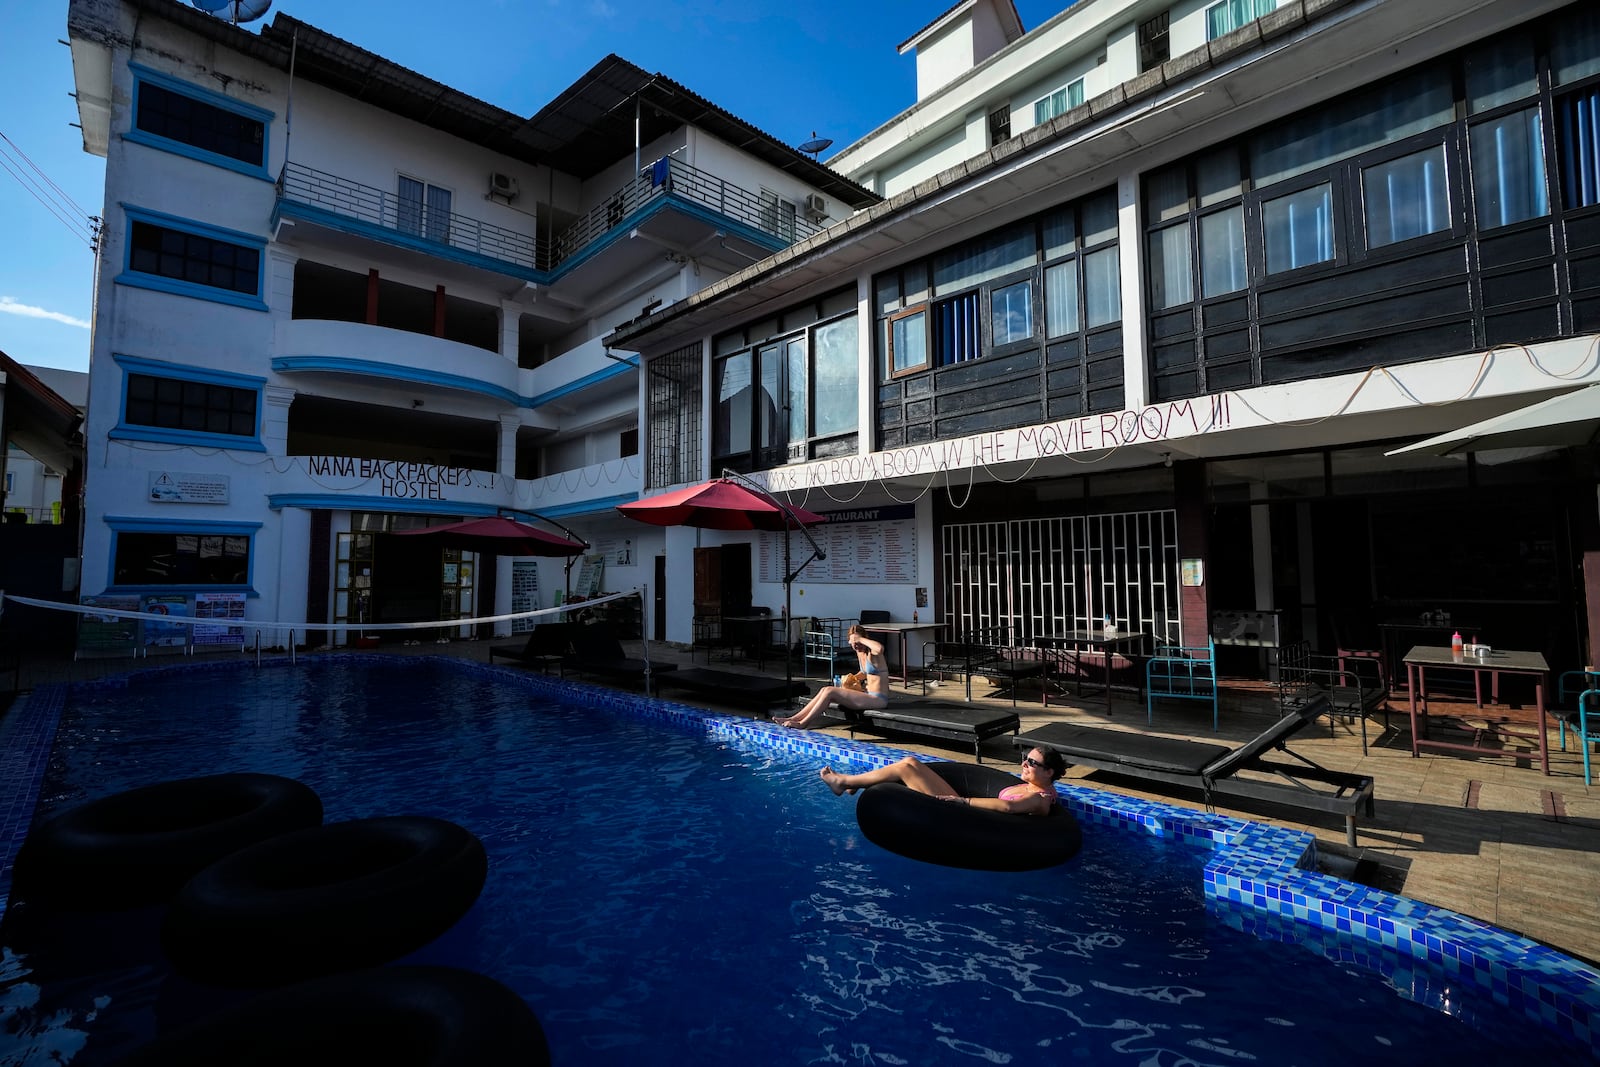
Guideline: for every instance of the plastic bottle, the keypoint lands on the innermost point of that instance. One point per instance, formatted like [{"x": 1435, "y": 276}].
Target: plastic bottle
[{"x": 1455, "y": 643}]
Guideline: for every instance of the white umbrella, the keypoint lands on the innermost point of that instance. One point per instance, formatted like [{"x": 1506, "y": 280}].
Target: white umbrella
[{"x": 1570, "y": 419}]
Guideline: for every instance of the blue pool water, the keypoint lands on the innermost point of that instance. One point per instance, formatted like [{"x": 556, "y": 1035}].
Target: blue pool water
[{"x": 666, "y": 898}]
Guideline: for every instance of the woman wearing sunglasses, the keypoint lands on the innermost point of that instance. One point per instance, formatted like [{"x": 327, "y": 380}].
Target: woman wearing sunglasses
[{"x": 1034, "y": 795}]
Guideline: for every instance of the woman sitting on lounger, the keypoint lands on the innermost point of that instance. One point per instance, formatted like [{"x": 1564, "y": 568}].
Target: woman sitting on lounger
[
  {"x": 876, "y": 695},
  {"x": 1034, "y": 795}
]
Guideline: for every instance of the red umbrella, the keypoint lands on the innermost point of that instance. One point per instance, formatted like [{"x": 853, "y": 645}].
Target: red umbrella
[
  {"x": 720, "y": 504},
  {"x": 499, "y": 536},
  {"x": 724, "y": 504}
]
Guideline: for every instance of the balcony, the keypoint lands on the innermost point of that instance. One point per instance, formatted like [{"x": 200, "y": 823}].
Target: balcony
[
  {"x": 670, "y": 178},
  {"x": 408, "y": 222}
]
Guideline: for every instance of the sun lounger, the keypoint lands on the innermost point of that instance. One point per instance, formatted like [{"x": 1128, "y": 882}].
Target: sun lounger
[
  {"x": 947, "y": 722},
  {"x": 731, "y": 687},
  {"x": 1215, "y": 769},
  {"x": 596, "y": 651},
  {"x": 547, "y": 645}
]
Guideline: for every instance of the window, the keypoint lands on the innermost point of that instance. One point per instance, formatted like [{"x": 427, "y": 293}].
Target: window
[
  {"x": 1297, "y": 229},
  {"x": 1155, "y": 46},
  {"x": 178, "y": 117},
  {"x": 783, "y": 398},
  {"x": 175, "y": 404},
  {"x": 777, "y": 215},
  {"x": 1578, "y": 145},
  {"x": 1508, "y": 175},
  {"x": 628, "y": 442},
  {"x": 184, "y": 555},
  {"x": 958, "y": 334},
  {"x": 999, "y": 125},
  {"x": 1061, "y": 298},
  {"x": 1011, "y": 313},
  {"x": 1406, "y": 197},
  {"x": 1231, "y": 14},
  {"x": 673, "y": 406},
  {"x": 908, "y": 341},
  {"x": 1222, "y": 263},
  {"x": 1059, "y": 102},
  {"x": 192, "y": 259},
  {"x": 187, "y": 405},
  {"x": 424, "y": 210}
]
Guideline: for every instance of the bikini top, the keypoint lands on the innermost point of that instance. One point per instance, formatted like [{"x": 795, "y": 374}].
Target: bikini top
[
  {"x": 870, "y": 667},
  {"x": 1023, "y": 791}
]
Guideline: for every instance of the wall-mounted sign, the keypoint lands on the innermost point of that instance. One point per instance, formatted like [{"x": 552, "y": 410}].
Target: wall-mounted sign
[
  {"x": 176, "y": 487},
  {"x": 1193, "y": 572}
]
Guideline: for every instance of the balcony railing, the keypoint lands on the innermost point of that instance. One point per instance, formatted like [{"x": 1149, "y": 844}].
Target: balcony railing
[
  {"x": 384, "y": 209},
  {"x": 771, "y": 216}
]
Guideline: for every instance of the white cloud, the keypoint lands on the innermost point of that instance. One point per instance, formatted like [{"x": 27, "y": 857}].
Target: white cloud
[{"x": 8, "y": 306}]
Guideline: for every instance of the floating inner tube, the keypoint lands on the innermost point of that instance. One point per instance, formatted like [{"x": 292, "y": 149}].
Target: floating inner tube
[
  {"x": 926, "y": 828},
  {"x": 139, "y": 847},
  {"x": 349, "y": 894},
  {"x": 395, "y": 1016}
]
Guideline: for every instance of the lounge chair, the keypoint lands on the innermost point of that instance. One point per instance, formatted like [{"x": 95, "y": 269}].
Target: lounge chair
[
  {"x": 731, "y": 687},
  {"x": 1215, "y": 769},
  {"x": 547, "y": 645},
  {"x": 596, "y": 651},
  {"x": 947, "y": 722}
]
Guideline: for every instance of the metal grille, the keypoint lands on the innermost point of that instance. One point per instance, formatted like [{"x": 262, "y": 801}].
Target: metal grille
[
  {"x": 673, "y": 415},
  {"x": 1041, "y": 576}
]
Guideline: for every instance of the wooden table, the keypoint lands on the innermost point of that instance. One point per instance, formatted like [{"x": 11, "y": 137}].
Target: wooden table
[
  {"x": 1423, "y": 658},
  {"x": 901, "y": 629},
  {"x": 1105, "y": 642},
  {"x": 1399, "y": 633}
]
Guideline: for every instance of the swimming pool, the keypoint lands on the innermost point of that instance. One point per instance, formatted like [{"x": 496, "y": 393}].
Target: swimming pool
[{"x": 645, "y": 884}]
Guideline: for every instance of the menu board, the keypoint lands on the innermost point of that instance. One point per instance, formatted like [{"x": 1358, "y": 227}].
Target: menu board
[
  {"x": 524, "y": 593},
  {"x": 872, "y": 545},
  {"x": 222, "y": 607}
]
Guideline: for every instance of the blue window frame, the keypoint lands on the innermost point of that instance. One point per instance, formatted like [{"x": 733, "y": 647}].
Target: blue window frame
[
  {"x": 174, "y": 404},
  {"x": 185, "y": 119},
  {"x": 157, "y": 555},
  {"x": 188, "y": 258}
]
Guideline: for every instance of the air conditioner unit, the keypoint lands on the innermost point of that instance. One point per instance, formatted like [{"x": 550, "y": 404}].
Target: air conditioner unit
[
  {"x": 503, "y": 185},
  {"x": 816, "y": 206}
]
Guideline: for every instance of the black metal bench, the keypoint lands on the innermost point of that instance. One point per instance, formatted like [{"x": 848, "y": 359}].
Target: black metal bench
[
  {"x": 947, "y": 722},
  {"x": 731, "y": 687}
]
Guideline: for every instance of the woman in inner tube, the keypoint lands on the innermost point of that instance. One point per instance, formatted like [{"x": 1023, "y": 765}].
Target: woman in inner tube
[
  {"x": 875, "y": 695},
  {"x": 1034, "y": 795}
]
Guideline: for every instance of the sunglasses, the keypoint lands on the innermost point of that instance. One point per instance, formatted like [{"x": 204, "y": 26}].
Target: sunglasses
[{"x": 1035, "y": 764}]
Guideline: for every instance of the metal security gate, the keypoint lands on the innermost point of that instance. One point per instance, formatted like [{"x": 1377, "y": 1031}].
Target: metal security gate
[{"x": 1043, "y": 576}]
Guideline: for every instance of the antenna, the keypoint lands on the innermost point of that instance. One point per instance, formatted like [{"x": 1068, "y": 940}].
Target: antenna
[
  {"x": 816, "y": 144},
  {"x": 235, "y": 11}
]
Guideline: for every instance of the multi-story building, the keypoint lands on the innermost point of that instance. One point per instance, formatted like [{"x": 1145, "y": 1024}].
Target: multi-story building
[
  {"x": 1155, "y": 292},
  {"x": 337, "y": 299}
]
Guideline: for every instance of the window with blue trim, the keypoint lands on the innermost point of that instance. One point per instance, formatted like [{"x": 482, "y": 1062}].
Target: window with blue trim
[
  {"x": 193, "y": 258},
  {"x": 1231, "y": 14},
  {"x": 176, "y": 116},
  {"x": 202, "y": 407},
  {"x": 1059, "y": 102},
  {"x": 144, "y": 558}
]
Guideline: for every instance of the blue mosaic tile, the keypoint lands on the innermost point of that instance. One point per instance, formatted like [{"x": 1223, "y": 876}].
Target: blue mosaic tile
[{"x": 1258, "y": 878}]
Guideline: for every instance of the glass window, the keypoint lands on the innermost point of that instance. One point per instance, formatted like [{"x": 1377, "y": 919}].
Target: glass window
[
  {"x": 1060, "y": 234},
  {"x": 1222, "y": 263},
  {"x": 1499, "y": 73},
  {"x": 1508, "y": 176},
  {"x": 180, "y": 559},
  {"x": 1099, "y": 219},
  {"x": 1059, "y": 102},
  {"x": 1061, "y": 299},
  {"x": 959, "y": 335},
  {"x": 1166, "y": 194},
  {"x": 1575, "y": 45},
  {"x": 908, "y": 341},
  {"x": 423, "y": 210},
  {"x": 1011, "y": 313},
  {"x": 770, "y": 401},
  {"x": 731, "y": 380},
  {"x": 1231, "y": 14},
  {"x": 1102, "y": 288},
  {"x": 991, "y": 256},
  {"x": 834, "y": 364},
  {"x": 1298, "y": 228},
  {"x": 1171, "y": 272},
  {"x": 1578, "y": 144},
  {"x": 177, "y": 117},
  {"x": 1406, "y": 197},
  {"x": 200, "y": 407},
  {"x": 1217, "y": 177},
  {"x": 189, "y": 257}
]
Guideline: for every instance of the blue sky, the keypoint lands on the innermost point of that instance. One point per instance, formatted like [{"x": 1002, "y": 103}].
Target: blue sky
[{"x": 785, "y": 66}]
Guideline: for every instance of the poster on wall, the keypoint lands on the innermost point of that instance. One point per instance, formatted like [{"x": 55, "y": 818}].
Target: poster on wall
[
  {"x": 590, "y": 573},
  {"x": 166, "y": 634},
  {"x": 863, "y": 545},
  {"x": 524, "y": 593},
  {"x": 107, "y": 635},
  {"x": 221, "y": 634}
]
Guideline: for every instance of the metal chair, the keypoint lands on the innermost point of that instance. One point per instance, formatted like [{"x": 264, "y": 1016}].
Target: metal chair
[{"x": 1584, "y": 720}]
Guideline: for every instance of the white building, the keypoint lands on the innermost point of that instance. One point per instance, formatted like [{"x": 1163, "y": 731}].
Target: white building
[
  {"x": 338, "y": 299},
  {"x": 1154, "y": 290}
]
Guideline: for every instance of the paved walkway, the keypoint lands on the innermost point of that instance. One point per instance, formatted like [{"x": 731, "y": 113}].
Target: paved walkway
[{"x": 1487, "y": 836}]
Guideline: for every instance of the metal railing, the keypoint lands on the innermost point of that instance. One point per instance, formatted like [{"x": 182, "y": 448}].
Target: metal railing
[
  {"x": 779, "y": 218},
  {"x": 379, "y": 207}
]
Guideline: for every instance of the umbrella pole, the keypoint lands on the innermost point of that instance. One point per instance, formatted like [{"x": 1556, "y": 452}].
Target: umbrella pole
[{"x": 788, "y": 636}]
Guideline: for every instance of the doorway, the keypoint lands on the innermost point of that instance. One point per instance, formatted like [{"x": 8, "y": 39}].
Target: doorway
[{"x": 660, "y": 594}]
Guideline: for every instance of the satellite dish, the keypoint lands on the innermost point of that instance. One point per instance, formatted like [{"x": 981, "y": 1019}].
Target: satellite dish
[
  {"x": 816, "y": 144},
  {"x": 235, "y": 11}
]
